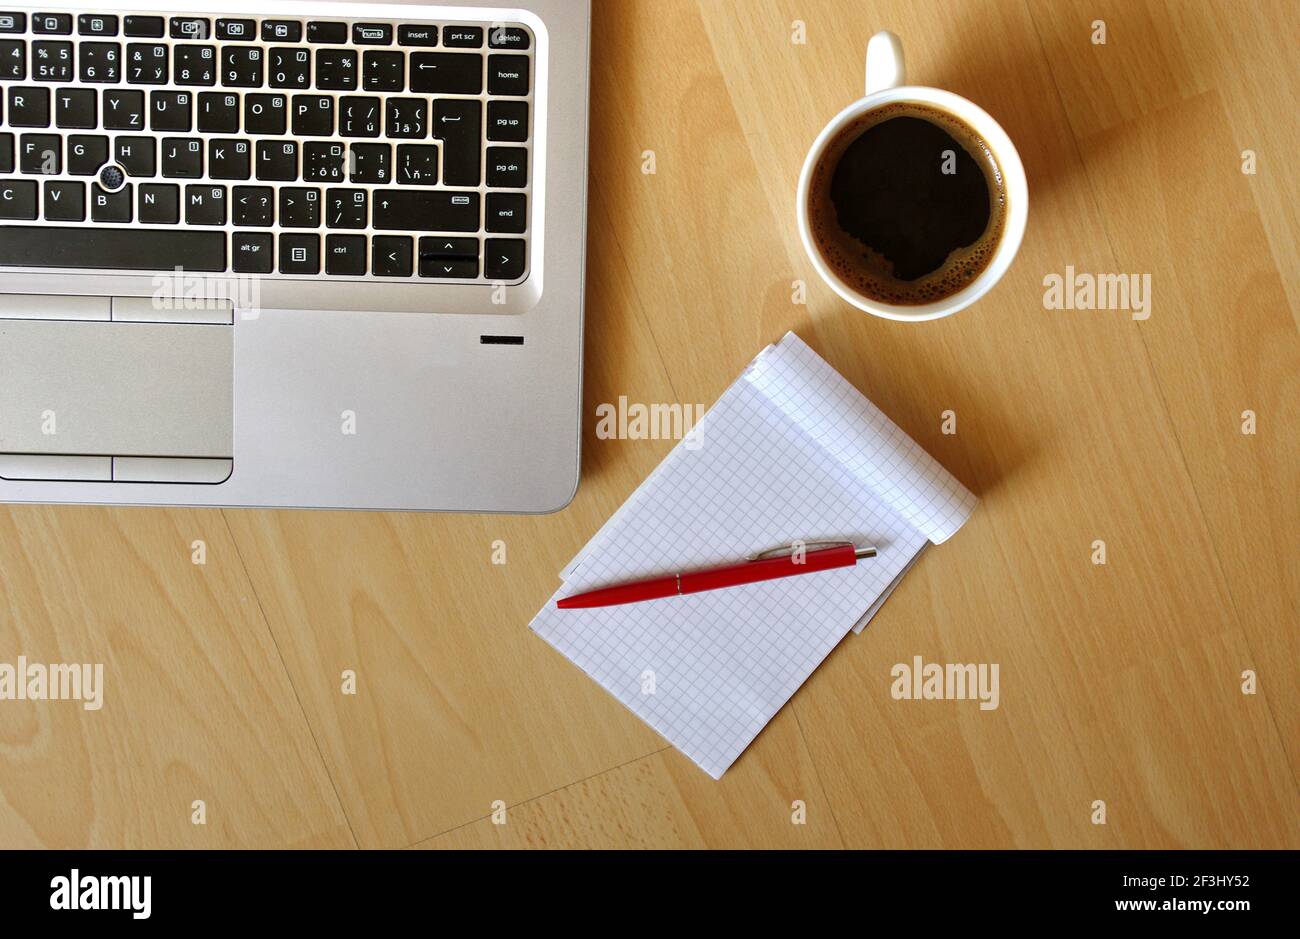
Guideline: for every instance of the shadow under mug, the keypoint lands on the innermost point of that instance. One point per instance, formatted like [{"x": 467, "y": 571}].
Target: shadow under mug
[{"x": 885, "y": 86}]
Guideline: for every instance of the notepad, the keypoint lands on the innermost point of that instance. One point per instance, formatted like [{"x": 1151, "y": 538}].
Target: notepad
[{"x": 790, "y": 451}]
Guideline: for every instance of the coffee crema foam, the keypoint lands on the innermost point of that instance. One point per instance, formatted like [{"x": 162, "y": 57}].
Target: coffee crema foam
[{"x": 870, "y": 273}]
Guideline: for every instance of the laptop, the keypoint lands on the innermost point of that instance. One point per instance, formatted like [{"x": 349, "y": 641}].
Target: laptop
[{"x": 293, "y": 254}]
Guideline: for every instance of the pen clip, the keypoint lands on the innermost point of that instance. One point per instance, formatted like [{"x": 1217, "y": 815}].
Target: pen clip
[{"x": 782, "y": 550}]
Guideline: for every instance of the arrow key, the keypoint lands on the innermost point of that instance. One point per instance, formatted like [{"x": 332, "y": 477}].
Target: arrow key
[
  {"x": 444, "y": 247},
  {"x": 438, "y": 260},
  {"x": 449, "y": 267},
  {"x": 503, "y": 259},
  {"x": 392, "y": 256}
]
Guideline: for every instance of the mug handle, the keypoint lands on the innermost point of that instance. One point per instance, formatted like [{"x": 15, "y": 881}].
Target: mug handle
[{"x": 884, "y": 62}]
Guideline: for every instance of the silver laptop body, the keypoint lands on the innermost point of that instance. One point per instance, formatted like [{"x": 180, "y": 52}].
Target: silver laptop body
[{"x": 387, "y": 317}]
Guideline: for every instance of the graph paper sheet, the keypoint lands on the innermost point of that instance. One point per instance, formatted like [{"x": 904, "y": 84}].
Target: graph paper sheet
[{"x": 790, "y": 451}]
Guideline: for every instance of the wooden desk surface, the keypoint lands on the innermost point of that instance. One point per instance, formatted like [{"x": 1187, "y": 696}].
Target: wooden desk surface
[{"x": 1120, "y": 683}]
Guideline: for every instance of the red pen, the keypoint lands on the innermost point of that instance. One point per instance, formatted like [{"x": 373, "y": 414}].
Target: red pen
[{"x": 757, "y": 567}]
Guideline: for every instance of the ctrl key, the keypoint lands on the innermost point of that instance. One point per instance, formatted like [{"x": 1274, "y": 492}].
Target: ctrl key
[
  {"x": 251, "y": 252},
  {"x": 299, "y": 254}
]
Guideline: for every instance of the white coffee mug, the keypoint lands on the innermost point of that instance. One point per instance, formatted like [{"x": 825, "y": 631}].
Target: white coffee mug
[{"x": 885, "y": 86}]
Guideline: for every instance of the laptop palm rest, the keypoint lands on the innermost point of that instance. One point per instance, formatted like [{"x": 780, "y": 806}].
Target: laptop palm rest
[{"x": 116, "y": 401}]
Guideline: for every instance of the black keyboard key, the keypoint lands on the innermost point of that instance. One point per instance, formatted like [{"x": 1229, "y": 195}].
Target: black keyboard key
[
  {"x": 237, "y": 30},
  {"x": 96, "y": 24},
  {"x": 290, "y": 68},
  {"x": 508, "y": 37},
  {"x": 230, "y": 159},
  {"x": 160, "y": 204},
  {"x": 503, "y": 258},
  {"x": 507, "y": 121},
  {"x": 323, "y": 162},
  {"x": 313, "y": 116},
  {"x": 190, "y": 27},
  {"x": 143, "y": 27},
  {"x": 13, "y": 60},
  {"x": 450, "y": 73},
  {"x": 281, "y": 31},
  {"x": 383, "y": 71},
  {"x": 40, "y": 154},
  {"x": 13, "y": 22},
  {"x": 359, "y": 116},
  {"x": 76, "y": 108},
  {"x": 299, "y": 207},
  {"x": 299, "y": 254},
  {"x": 86, "y": 154},
  {"x": 17, "y": 201},
  {"x": 147, "y": 63},
  {"x": 458, "y": 123},
  {"x": 251, "y": 252},
  {"x": 123, "y": 109},
  {"x": 507, "y": 167},
  {"x": 448, "y": 247},
  {"x": 507, "y": 213},
  {"x": 508, "y": 75},
  {"x": 411, "y": 35},
  {"x": 132, "y": 249},
  {"x": 218, "y": 112},
  {"x": 371, "y": 163},
  {"x": 241, "y": 66},
  {"x": 194, "y": 65},
  {"x": 253, "y": 206},
  {"x": 417, "y": 164},
  {"x": 407, "y": 118},
  {"x": 320, "y": 31},
  {"x": 100, "y": 62},
  {"x": 434, "y": 266},
  {"x": 266, "y": 114},
  {"x": 277, "y": 160},
  {"x": 392, "y": 256},
  {"x": 205, "y": 204},
  {"x": 346, "y": 208},
  {"x": 136, "y": 155},
  {"x": 6, "y": 153},
  {"x": 29, "y": 107},
  {"x": 64, "y": 201},
  {"x": 111, "y": 207},
  {"x": 372, "y": 34},
  {"x": 182, "y": 157},
  {"x": 426, "y": 210},
  {"x": 52, "y": 61},
  {"x": 59, "y": 24},
  {"x": 463, "y": 37},
  {"x": 345, "y": 255},
  {"x": 170, "y": 110},
  {"x": 336, "y": 69}
]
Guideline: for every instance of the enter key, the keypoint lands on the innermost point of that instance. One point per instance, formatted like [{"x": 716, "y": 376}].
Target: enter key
[{"x": 458, "y": 123}]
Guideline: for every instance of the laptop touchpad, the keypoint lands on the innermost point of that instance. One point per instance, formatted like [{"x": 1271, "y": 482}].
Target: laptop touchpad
[{"x": 116, "y": 389}]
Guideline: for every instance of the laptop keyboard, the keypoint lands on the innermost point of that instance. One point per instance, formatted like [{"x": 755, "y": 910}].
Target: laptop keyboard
[{"x": 332, "y": 149}]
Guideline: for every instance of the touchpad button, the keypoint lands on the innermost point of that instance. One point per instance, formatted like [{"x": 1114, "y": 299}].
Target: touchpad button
[{"x": 116, "y": 389}]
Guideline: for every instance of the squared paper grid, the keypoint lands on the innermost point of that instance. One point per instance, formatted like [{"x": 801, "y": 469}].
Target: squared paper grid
[{"x": 785, "y": 453}]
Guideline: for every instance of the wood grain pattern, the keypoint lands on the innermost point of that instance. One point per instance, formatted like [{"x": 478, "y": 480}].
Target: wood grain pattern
[{"x": 1119, "y": 683}]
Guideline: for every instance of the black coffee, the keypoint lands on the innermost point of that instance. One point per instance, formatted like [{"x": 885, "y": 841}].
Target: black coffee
[{"x": 907, "y": 204}]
